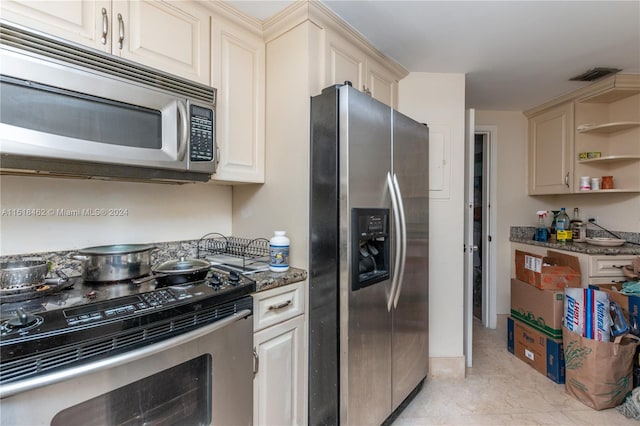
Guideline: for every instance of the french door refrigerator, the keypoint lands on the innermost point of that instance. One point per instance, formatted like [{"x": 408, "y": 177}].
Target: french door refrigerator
[{"x": 368, "y": 274}]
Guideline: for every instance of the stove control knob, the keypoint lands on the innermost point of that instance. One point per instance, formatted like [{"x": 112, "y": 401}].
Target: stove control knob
[
  {"x": 22, "y": 320},
  {"x": 234, "y": 277},
  {"x": 215, "y": 280}
]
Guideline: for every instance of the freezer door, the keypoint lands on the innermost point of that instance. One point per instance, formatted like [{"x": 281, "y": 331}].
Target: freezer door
[
  {"x": 365, "y": 322},
  {"x": 410, "y": 352}
]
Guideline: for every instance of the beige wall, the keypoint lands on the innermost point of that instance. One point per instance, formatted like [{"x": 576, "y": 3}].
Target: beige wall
[
  {"x": 154, "y": 213},
  {"x": 282, "y": 203},
  {"x": 438, "y": 100}
]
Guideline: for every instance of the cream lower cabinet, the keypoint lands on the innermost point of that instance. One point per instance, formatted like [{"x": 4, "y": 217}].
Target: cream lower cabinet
[
  {"x": 170, "y": 36},
  {"x": 279, "y": 351},
  {"x": 238, "y": 72},
  {"x": 608, "y": 269},
  {"x": 594, "y": 268}
]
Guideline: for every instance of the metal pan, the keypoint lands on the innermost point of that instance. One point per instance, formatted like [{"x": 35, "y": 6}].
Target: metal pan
[{"x": 178, "y": 271}]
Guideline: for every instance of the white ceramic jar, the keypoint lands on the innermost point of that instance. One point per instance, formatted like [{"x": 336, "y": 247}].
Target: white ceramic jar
[{"x": 585, "y": 183}]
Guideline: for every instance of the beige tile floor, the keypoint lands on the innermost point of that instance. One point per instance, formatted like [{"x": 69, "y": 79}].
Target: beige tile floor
[{"x": 500, "y": 389}]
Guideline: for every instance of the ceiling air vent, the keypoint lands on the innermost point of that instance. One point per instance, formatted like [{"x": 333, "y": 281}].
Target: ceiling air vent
[{"x": 595, "y": 73}]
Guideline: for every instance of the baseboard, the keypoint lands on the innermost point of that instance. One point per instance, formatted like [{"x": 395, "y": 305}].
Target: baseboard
[{"x": 449, "y": 367}]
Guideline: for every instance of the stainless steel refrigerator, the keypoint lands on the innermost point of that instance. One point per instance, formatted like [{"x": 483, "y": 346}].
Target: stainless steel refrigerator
[{"x": 368, "y": 274}]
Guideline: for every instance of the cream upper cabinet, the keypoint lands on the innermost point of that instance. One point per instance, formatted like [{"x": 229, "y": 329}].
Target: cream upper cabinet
[
  {"x": 608, "y": 126},
  {"x": 238, "y": 71},
  {"x": 551, "y": 150},
  {"x": 85, "y": 22},
  {"x": 170, "y": 36},
  {"x": 592, "y": 132},
  {"x": 347, "y": 62}
]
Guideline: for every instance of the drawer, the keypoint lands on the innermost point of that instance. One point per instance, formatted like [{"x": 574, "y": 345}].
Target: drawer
[
  {"x": 608, "y": 266},
  {"x": 276, "y": 305},
  {"x": 605, "y": 280}
]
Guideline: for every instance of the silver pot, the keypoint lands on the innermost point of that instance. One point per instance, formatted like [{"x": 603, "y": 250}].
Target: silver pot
[
  {"x": 116, "y": 262},
  {"x": 22, "y": 274}
]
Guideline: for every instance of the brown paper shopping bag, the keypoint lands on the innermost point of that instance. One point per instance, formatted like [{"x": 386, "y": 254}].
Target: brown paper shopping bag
[{"x": 598, "y": 374}]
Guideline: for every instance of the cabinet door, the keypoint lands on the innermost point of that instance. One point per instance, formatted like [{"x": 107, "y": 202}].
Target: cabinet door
[
  {"x": 80, "y": 21},
  {"x": 238, "y": 72},
  {"x": 278, "y": 393},
  {"x": 551, "y": 151},
  {"x": 345, "y": 63},
  {"x": 381, "y": 83},
  {"x": 173, "y": 37}
]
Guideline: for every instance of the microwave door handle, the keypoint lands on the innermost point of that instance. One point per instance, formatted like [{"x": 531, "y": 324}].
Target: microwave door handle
[
  {"x": 183, "y": 140},
  {"x": 13, "y": 388}
]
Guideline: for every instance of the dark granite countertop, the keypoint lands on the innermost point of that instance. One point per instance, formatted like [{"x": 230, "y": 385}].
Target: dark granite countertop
[
  {"x": 267, "y": 280},
  {"x": 524, "y": 235}
]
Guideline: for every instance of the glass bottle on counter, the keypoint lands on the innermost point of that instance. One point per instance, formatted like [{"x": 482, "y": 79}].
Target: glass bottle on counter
[
  {"x": 578, "y": 227},
  {"x": 563, "y": 227},
  {"x": 552, "y": 229}
]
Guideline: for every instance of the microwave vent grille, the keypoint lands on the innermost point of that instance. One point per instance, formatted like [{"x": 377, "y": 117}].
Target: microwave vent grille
[{"x": 79, "y": 56}]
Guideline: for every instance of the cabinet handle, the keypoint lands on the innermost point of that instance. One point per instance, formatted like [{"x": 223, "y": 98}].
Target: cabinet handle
[
  {"x": 256, "y": 362},
  {"x": 105, "y": 26},
  {"x": 120, "y": 31},
  {"x": 566, "y": 179},
  {"x": 279, "y": 305},
  {"x": 365, "y": 90}
]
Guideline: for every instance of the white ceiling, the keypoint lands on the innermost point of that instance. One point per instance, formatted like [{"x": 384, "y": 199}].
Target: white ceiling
[{"x": 515, "y": 54}]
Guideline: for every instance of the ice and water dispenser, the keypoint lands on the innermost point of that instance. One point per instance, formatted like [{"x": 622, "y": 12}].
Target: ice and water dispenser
[{"x": 370, "y": 247}]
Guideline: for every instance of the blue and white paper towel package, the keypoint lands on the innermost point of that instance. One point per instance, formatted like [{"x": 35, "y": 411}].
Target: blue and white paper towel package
[{"x": 586, "y": 312}]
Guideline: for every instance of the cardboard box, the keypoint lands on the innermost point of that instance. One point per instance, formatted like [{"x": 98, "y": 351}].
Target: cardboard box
[
  {"x": 541, "y": 310},
  {"x": 542, "y": 353},
  {"x": 552, "y": 272},
  {"x": 630, "y": 305}
]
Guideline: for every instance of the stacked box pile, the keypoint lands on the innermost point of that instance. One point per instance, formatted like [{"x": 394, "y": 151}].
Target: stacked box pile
[{"x": 537, "y": 309}]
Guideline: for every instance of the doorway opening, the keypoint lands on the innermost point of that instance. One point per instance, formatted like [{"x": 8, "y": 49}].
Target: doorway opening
[
  {"x": 484, "y": 286},
  {"x": 478, "y": 206}
]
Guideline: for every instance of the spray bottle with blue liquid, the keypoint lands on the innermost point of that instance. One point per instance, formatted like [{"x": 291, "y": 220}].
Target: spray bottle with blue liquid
[{"x": 542, "y": 234}]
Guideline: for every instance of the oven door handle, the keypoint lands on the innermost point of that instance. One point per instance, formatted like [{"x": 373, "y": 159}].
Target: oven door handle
[{"x": 10, "y": 389}]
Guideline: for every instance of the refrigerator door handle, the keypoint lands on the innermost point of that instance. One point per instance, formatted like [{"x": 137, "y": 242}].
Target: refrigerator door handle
[
  {"x": 403, "y": 241},
  {"x": 398, "y": 231}
]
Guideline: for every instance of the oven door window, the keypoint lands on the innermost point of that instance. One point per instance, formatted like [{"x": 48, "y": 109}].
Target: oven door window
[{"x": 180, "y": 395}]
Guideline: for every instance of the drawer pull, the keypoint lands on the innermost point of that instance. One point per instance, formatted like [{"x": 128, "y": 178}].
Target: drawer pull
[{"x": 279, "y": 305}]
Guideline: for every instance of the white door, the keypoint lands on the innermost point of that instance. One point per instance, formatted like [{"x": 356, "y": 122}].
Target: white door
[{"x": 468, "y": 235}]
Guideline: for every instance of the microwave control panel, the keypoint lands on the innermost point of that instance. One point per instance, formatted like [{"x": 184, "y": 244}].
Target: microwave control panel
[{"x": 202, "y": 131}]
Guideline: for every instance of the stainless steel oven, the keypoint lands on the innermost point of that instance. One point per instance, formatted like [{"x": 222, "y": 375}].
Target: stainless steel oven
[{"x": 155, "y": 356}]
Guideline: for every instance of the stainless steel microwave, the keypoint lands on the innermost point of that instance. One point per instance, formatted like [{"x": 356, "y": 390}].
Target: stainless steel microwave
[{"x": 68, "y": 110}]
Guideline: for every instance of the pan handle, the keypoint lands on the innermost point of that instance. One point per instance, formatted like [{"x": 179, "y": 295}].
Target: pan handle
[{"x": 148, "y": 278}]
